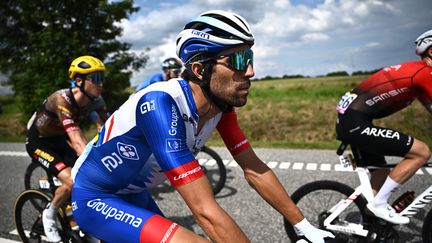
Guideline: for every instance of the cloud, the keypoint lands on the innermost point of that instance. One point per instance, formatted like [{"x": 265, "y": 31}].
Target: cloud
[{"x": 310, "y": 37}]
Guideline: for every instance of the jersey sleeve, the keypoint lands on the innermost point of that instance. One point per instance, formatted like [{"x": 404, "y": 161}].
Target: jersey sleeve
[
  {"x": 232, "y": 135},
  {"x": 64, "y": 113},
  {"x": 159, "y": 119},
  {"x": 423, "y": 80}
]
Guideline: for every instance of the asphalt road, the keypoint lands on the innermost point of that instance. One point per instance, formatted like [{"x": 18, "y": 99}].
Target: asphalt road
[{"x": 258, "y": 220}]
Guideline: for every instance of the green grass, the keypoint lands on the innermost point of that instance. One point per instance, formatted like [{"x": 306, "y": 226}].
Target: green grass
[{"x": 288, "y": 113}]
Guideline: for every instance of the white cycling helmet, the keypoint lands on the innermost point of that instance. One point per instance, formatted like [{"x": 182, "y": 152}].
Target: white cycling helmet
[
  {"x": 423, "y": 42},
  {"x": 212, "y": 32}
]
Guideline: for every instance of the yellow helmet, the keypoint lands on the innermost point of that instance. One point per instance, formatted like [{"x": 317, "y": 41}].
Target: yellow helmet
[{"x": 85, "y": 65}]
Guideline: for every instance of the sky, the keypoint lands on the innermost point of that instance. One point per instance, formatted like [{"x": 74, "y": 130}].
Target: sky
[{"x": 306, "y": 37}]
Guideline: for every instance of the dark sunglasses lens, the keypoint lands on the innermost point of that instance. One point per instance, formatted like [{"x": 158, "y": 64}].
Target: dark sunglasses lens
[
  {"x": 240, "y": 60},
  {"x": 176, "y": 71},
  {"x": 96, "y": 78}
]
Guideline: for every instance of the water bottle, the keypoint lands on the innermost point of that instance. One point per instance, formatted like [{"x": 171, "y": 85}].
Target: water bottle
[
  {"x": 74, "y": 226},
  {"x": 403, "y": 201}
]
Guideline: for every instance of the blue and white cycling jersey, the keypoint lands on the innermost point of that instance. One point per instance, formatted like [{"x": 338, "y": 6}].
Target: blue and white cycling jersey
[
  {"x": 132, "y": 155},
  {"x": 151, "y": 137},
  {"x": 126, "y": 153}
]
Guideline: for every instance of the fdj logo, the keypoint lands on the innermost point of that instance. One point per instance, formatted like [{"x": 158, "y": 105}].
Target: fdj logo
[
  {"x": 127, "y": 151},
  {"x": 147, "y": 106},
  {"x": 173, "y": 145},
  {"x": 111, "y": 161}
]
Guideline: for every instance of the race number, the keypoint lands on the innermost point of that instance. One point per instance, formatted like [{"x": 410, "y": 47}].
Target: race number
[{"x": 345, "y": 102}]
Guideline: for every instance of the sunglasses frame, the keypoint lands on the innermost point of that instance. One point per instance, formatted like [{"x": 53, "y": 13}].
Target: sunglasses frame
[{"x": 233, "y": 59}]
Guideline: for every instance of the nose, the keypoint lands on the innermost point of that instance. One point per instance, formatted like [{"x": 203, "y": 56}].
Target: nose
[{"x": 249, "y": 71}]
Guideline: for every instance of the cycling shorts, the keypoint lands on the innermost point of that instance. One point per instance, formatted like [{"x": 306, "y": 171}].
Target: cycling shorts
[
  {"x": 109, "y": 217},
  {"x": 53, "y": 153},
  {"x": 369, "y": 143}
]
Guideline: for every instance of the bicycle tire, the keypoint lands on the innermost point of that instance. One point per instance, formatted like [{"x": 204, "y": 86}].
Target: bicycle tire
[
  {"x": 217, "y": 178},
  {"x": 317, "y": 216},
  {"x": 29, "y": 223},
  {"x": 427, "y": 228},
  {"x": 31, "y": 172}
]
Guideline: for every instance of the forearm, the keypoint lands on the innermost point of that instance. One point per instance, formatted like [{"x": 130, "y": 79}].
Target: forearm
[
  {"x": 271, "y": 190},
  {"x": 77, "y": 141},
  {"x": 220, "y": 227}
]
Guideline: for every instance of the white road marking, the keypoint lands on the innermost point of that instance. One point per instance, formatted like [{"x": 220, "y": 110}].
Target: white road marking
[
  {"x": 272, "y": 164},
  {"x": 297, "y": 166},
  {"x": 311, "y": 166},
  {"x": 284, "y": 165},
  {"x": 325, "y": 167},
  {"x": 14, "y": 153}
]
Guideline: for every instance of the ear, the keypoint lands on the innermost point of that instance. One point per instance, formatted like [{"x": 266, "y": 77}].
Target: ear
[
  {"x": 198, "y": 70},
  {"x": 78, "y": 81}
]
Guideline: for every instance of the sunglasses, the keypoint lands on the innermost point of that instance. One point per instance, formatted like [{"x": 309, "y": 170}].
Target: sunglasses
[
  {"x": 95, "y": 78},
  {"x": 240, "y": 60},
  {"x": 175, "y": 70}
]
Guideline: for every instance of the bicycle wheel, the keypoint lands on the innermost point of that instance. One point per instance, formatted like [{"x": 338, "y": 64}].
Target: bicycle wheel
[
  {"x": 33, "y": 173},
  {"x": 316, "y": 198},
  {"x": 214, "y": 168},
  {"x": 28, "y": 218},
  {"x": 427, "y": 228}
]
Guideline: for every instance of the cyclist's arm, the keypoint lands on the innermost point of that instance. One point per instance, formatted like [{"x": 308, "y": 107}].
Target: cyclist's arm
[
  {"x": 426, "y": 102},
  {"x": 265, "y": 182},
  {"x": 77, "y": 140},
  {"x": 256, "y": 172},
  {"x": 218, "y": 225},
  {"x": 422, "y": 81}
]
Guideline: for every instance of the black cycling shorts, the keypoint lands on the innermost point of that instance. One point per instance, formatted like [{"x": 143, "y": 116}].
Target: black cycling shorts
[
  {"x": 368, "y": 142},
  {"x": 53, "y": 153}
]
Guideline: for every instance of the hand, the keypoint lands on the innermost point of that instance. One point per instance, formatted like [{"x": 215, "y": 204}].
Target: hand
[{"x": 304, "y": 228}]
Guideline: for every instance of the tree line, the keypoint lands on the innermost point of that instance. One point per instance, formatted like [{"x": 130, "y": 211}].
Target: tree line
[{"x": 331, "y": 74}]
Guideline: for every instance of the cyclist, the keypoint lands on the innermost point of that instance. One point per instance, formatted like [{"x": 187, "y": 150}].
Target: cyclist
[
  {"x": 171, "y": 68},
  {"x": 380, "y": 95},
  {"x": 153, "y": 135},
  {"x": 54, "y": 138}
]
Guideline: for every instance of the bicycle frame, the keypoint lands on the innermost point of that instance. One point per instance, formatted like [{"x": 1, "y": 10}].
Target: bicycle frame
[
  {"x": 365, "y": 189},
  {"x": 419, "y": 202}
]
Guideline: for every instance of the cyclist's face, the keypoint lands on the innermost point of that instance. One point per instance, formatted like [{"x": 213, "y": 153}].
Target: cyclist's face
[
  {"x": 229, "y": 84},
  {"x": 93, "y": 88},
  {"x": 172, "y": 73}
]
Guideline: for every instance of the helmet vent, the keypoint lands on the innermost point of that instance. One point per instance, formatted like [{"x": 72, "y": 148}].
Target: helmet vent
[{"x": 84, "y": 65}]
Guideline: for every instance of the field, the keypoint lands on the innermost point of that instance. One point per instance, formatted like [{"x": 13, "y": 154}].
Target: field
[{"x": 286, "y": 113}]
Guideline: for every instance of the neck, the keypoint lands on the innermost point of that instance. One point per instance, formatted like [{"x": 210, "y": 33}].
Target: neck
[
  {"x": 428, "y": 61},
  {"x": 81, "y": 99},
  {"x": 205, "y": 108}
]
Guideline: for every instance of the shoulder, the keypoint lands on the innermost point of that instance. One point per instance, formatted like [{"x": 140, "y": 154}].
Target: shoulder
[{"x": 156, "y": 77}]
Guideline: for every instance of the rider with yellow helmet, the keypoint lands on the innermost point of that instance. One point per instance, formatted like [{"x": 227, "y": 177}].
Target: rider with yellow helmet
[{"x": 54, "y": 138}]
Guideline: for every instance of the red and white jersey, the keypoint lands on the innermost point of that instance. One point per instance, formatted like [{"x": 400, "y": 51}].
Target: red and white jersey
[{"x": 390, "y": 90}]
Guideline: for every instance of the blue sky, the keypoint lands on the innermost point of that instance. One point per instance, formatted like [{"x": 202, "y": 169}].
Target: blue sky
[{"x": 308, "y": 37}]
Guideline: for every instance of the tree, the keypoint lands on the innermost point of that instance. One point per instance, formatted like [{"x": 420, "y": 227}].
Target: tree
[
  {"x": 337, "y": 73},
  {"x": 40, "y": 38}
]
